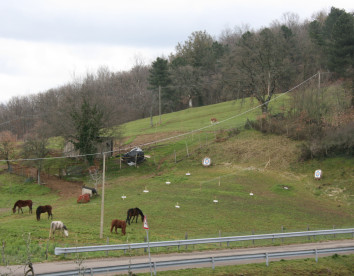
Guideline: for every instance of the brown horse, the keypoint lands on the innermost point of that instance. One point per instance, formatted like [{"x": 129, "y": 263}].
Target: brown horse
[
  {"x": 134, "y": 212},
  {"x": 44, "y": 209},
  {"x": 22, "y": 203},
  {"x": 116, "y": 223}
]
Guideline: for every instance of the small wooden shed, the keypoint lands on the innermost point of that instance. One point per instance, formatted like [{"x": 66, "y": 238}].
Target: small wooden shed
[{"x": 105, "y": 146}]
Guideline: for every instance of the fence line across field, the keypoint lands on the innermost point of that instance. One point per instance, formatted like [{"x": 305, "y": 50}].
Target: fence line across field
[
  {"x": 178, "y": 243},
  {"x": 208, "y": 260}
]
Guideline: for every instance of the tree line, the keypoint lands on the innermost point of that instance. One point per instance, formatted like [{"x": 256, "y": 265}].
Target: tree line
[{"x": 203, "y": 70}]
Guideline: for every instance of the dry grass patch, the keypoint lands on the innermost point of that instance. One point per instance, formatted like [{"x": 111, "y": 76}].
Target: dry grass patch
[{"x": 264, "y": 152}]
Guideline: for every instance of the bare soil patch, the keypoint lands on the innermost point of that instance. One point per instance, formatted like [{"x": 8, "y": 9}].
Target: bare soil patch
[{"x": 62, "y": 187}]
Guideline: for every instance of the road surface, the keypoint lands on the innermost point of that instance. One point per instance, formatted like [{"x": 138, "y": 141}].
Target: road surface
[{"x": 49, "y": 267}]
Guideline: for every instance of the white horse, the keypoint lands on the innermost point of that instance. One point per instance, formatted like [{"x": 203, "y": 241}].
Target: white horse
[{"x": 58, "y": 225}]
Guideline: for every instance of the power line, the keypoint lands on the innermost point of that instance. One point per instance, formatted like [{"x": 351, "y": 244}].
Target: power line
[{"x": 172, "y": 137}]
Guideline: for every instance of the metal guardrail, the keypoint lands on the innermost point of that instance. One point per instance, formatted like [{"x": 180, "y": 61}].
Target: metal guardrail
[
  {"x": 195, "y": 261},
  {"x": 81, "y": 249}
]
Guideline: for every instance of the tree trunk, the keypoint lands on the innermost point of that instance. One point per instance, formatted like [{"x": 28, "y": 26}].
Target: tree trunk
[
  {"x": 265, "y": 108},
  {"x": 39, "y": 176},
  {"x": 9, "y": 168}
]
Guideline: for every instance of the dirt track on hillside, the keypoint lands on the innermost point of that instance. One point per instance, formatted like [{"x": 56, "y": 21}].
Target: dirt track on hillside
[{"x": 62, "y": 187}]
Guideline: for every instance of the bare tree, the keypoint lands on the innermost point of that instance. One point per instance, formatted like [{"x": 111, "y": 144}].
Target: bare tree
[
  {"x": 35, "y": 148},
  {"x": 7, "y": 147},
  {"x": 257, "y": 64}
]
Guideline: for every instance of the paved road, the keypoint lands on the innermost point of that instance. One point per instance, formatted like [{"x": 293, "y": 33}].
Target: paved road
[{"x": 49, "y": 267}]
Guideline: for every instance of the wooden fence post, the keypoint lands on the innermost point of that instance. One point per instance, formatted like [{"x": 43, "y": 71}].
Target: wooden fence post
[
  {"x": 220, "y": 236},
  {"x": 186, "y": 238},
  {"x": 46, "y": 251},
  {"x": 120, "y": 160},
  {"x": 308, "y": 229},
  {"x": 3, "y": 253}
]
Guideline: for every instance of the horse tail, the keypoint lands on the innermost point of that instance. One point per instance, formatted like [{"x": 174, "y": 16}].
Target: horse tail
[
  {"x": 38, "y": 213},
  {"x": 124, "y": 226},
  {"x": 128, "y": 216},
  {"x": 112, "y": 225},
  {"x": 30, "y": 202}
]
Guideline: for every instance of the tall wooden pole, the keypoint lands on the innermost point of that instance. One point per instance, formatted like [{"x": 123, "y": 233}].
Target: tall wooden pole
[
  {"x": 160, "y": 103},
  {"x": 102, "y": 202}
]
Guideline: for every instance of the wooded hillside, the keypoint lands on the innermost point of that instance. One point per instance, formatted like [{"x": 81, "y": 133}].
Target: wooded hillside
[{"x": 203, "y": 70}]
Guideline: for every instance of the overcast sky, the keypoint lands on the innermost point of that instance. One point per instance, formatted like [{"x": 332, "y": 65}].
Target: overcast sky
[{"x": 47, "y": 43}]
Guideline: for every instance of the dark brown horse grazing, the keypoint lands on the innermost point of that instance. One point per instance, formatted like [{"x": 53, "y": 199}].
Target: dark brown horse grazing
[
  {"x": 22, "y": 203},
  {"x": 44, "y": 209},
  {"x": 134, "y": 212},
  {"x": 116, "y": 223}
]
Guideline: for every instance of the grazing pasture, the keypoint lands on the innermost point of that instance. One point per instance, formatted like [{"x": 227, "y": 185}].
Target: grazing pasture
[{"x": 242, "y": 164}]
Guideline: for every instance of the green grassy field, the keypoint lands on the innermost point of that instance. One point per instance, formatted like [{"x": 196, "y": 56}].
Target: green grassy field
[
  {"x": 244, "y": 163},
  {"x": 334, "y": 265}
]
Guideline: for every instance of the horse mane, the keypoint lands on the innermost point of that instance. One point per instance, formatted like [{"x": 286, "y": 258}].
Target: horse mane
[{"x": 139, "y": 211}]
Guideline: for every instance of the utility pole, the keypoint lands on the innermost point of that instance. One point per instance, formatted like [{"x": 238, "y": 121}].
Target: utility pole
[
  {"x": 102, "y": 202},
  {"x": 160, "y": 103}
]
